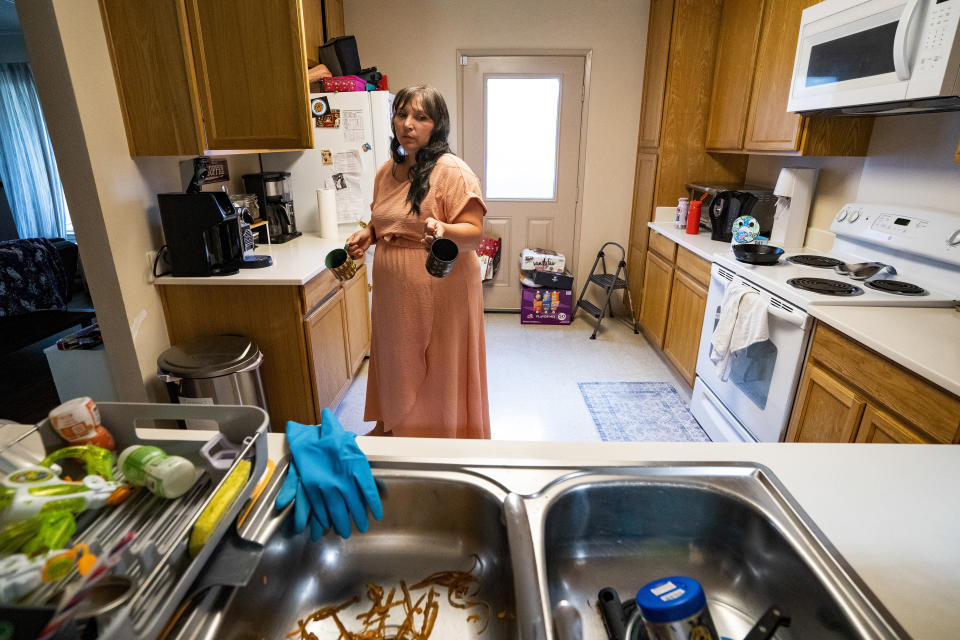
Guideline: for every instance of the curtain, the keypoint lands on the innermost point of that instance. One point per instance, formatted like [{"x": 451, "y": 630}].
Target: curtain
[{"x": 28, "y": 168}]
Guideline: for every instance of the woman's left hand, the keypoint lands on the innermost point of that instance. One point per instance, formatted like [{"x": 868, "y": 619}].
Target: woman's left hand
[{"x": 432, "y": 227}]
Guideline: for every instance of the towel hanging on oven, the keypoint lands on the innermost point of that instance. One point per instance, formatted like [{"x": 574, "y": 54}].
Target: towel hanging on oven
[{"x": 742, "y": 322}]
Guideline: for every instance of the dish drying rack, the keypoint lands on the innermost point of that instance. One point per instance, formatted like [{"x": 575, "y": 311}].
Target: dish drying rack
[{"x": 156, "y": 562}]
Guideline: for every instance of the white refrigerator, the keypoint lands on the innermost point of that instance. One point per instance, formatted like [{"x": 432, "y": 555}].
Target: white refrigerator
[{"x": 344, "y": 158}]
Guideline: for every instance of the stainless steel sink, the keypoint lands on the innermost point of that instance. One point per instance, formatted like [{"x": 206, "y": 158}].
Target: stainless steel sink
[
  {"x": 731, "y": 527},
  {"x": 542, "y": 542},
  {"x": 433, "y": 522}
]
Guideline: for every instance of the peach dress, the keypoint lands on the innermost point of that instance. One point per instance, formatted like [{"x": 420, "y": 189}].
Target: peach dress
[{"x": 428, "y": 369}]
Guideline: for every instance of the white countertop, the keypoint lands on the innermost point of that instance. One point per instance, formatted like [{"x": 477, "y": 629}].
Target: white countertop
[
  {"x": 699, "y": 243},
  {"x": 923, "y": 340},
  {"x": 295, "y": 262},
  {"x": 888, "y": 509}
]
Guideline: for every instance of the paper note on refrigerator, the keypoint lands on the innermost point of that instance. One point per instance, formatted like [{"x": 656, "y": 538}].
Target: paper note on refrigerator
[
  {"x": 347, "y": 171},
  {"x": 353, "y": 125}
]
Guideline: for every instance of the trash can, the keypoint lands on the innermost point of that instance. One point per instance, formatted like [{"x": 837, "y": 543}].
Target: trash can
[{"x": 214, "y": 370}]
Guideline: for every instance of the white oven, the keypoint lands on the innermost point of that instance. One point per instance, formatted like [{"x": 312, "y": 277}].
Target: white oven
[
  {"x": 753, "y": 403},
  {"x": 875, "y": 56}
]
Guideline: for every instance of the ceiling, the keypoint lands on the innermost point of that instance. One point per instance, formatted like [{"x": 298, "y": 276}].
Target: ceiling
[{"x": 8, "y": 17}]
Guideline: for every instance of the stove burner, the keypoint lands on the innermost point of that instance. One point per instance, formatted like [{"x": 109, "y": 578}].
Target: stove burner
[
  {"x": 824, "y": 286},
  {"x": 896, "y": 287},
  {"x": 822, "y": 262}
]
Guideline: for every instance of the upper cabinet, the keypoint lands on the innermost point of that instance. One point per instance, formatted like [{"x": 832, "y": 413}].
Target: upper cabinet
[
  {"x": 754, "y": 68},
  {"x": 322, "y": 20},
  {"x": 199, "y": 75}
]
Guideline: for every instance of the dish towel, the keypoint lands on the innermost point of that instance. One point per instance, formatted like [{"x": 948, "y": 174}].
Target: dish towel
[{"x": 742, "y": 322}]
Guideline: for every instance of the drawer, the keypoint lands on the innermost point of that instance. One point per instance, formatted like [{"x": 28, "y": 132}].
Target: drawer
[
  {"x": 899, "y": 391},
  {"x": 693, "y": 265},
  {"x": 663, "y": 246},
  {"x": 318, "y": 289}
]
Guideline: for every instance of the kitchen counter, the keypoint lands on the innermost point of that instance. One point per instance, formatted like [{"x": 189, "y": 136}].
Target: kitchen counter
[
  {"x": 886, "y": 508},
  {"x": 923, "y": 340},
  {"x": 295, "y": 262},
  {"x": 700, "y": 244}
]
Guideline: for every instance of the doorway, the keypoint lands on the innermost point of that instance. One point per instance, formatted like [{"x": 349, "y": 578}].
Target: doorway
[{"x": 520, "y": 125}]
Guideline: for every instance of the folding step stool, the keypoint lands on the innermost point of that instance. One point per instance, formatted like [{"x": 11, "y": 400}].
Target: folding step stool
[{"x": 610, "y": 282}]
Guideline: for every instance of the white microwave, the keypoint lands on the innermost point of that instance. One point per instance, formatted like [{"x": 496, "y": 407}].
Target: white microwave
[{"x": 877, "y": 56}]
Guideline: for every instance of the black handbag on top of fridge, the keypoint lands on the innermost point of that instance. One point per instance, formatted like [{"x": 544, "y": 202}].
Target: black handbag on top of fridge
[{"x": 340, "y": 56}]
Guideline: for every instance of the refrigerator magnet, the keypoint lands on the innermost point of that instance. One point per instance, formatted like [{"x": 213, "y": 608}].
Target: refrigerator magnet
[
  {"x": 326, "y": 157},
  {"x": 366, "y": 146},
  {"x": 329, "y": 120},
  {"x": 319, "y": 106}
]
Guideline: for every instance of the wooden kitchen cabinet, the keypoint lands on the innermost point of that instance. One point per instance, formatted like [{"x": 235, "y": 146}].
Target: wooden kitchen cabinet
[
  {"x": 956, "y": 157},
  {"x": 848, "y": 393},
  {"x": 313, "y": 337},
  {"x": 677, "y": 80},
  {"x": 202, "y": 75},
  {"x": 827, "y": 410},
  {"x": 655, "y": 300},
  {"x": 753, "y": 72},
  {"x": 688, "y": 301},
  {"x": 322, "y": 20},
  {"x": 328, "y": 346},
  {"x": 356, "y": 301},
  {"x": 673, "y": 301}
]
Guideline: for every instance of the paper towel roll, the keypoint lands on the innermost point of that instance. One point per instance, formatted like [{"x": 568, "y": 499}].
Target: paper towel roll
[{"x": 327, "y": 206}]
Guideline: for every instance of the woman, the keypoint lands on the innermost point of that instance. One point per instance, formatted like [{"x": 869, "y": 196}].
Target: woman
[{"x": 428, "y": 374}]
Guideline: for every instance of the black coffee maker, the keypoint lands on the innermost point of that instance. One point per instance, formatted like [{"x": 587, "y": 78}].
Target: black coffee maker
[
  {"x": 272, "y": 189},
  {"x": 202, "y": 234}
]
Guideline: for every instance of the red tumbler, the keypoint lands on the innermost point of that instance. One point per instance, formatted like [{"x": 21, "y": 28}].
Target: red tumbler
[{"x": 693, "y": 217}]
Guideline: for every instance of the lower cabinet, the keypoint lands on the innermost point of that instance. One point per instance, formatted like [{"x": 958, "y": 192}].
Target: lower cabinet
[
  {"x": 681, "y": 344},
  {"x": 850, "y": 394},
  {"x": 313, "y": 337},
  {"x": 655, "y": 299},
  {"x": 328, "y": 347},
  {"x": 673, "y": 301}
]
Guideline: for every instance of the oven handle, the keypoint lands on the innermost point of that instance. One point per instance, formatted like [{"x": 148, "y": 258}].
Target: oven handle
[
  {"x": 900, "y": 43},
  {"x": 792, "y": 318}
]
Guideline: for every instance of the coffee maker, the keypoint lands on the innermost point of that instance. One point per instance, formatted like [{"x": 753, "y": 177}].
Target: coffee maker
[
  {"x": 272, "y": 189},
  {"x": 201, "y": 232}
]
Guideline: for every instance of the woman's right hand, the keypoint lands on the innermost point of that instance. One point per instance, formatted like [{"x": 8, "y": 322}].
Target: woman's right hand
[{"x": 359, "y": 242}]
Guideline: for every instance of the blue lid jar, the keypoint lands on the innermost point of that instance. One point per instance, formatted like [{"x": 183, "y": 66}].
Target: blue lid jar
[{"x": 671, "y": 599}]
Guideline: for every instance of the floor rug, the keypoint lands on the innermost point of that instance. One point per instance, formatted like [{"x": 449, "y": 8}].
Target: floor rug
[{"x": 640, "y": 412}]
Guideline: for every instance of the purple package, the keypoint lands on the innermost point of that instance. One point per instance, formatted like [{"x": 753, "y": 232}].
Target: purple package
[{"x": 545, "y": 306}]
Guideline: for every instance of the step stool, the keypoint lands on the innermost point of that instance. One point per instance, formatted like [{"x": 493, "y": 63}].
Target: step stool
[{"x": 610, "y": 282}]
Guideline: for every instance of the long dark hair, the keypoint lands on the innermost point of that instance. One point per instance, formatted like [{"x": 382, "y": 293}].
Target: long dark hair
[{"x": 426, "y": 159}]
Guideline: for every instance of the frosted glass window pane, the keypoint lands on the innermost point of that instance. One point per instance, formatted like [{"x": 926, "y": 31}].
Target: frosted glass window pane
[{"x": 522, "y": 125}]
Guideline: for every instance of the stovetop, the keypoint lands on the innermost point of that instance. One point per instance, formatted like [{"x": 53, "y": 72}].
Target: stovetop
[
  {"x": 776, "y": 279},
  {"x": 923, "y": 246}
]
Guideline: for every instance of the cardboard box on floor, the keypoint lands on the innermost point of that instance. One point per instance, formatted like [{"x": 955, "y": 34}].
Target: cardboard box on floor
[{"x": 545, "y": 306}]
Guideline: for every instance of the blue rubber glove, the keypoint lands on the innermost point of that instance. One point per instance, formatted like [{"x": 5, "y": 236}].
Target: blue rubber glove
[
  {"x": 292, "y": 491},
  {"x": 334, "y": 473}
]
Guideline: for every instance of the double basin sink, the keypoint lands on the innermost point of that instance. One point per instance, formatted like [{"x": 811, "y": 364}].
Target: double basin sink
[{"x": 521, "y": 553}]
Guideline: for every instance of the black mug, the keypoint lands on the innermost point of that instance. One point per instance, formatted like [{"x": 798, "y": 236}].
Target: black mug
[{"x": 443, "y": 253}]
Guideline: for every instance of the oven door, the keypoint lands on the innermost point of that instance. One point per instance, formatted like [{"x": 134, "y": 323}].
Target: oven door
[
  {"x": 761, "y": 380},
  {"x": 855, "y": 53}
]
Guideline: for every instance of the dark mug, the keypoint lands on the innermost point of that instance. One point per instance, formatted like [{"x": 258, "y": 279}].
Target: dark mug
[
  {"x": 443, "y": 253},
  {"x": 340, "y": 262}
]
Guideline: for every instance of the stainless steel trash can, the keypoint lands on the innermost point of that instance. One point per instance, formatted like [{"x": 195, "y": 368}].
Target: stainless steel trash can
[{"x": 214, "y": 370}]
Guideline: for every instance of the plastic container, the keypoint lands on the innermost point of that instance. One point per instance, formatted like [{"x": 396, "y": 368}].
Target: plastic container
[
  {"x": 674, "y": 608},
  {"x": 78, "y": 422},
  {"x": 683, "y": 208},
  {"x": 165, "y": 476}
]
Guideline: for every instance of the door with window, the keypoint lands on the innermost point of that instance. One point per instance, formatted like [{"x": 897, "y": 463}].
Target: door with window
[{"x": 520, "y": 124}]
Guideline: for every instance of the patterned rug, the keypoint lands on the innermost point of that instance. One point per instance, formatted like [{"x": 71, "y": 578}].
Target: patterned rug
[{"x": 640, "y": 412}]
